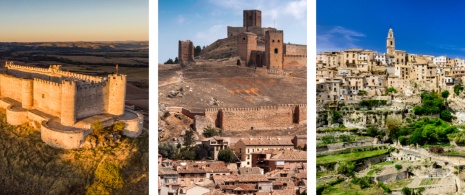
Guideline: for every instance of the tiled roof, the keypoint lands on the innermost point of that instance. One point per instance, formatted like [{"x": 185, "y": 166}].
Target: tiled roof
[
  {"x": 220, "y": 179},
  {"x": 166, "y": 171},
  {"x": 290, "y": 155},
  {"x": 265, "y": 142},
  {"x": 202, "y": 167},
  {"x": 249, "y": 170},
  {"x": 239, "y": 187}
]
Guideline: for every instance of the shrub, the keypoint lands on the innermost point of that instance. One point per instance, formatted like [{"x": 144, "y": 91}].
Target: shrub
[
  {"x": 98, "y": 188},
  {"x": 385, "y": 187},
  {"x": 391, "y": 89},
  {"x": 398, "y": 167},
  {"x": 109, "y": 175},
  {"x": 446, "y": 115},
  {"x": 372, "y": 132},
  {"x": 209, "y": 132},
  {"x": 118, "y": 126},
  {"x": 226, "y": 156},
  {"x": 327, "y": 139},
  {"x": 445, "y": 94},
  {"x": 363, "y": 182},
  {"x": 458, "y": 89},
  {"x": 345, "y": 138},
  {"x": 346, "y": 168}
]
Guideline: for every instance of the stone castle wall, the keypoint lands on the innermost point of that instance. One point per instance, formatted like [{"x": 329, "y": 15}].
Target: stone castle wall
[
  {"x": 262, "y": 118},
  {"x": 295, "y": 49},
  {"x": 294, "y": 61},
  {"x": 27, "y": 98}
]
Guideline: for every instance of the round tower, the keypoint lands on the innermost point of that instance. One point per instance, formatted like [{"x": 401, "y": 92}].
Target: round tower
[
  {"x": 26, "y": 92},
  {"x": 116, "y": 94},
  {"x": 68, "y": 102}
]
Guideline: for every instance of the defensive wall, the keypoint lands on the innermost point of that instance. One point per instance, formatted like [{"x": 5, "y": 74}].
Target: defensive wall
[
  {"x": 294, "y": 61},
  {"x": 262, "y": 118},
  {"x": 295, "y": 49},
  {"x": 38, "y": 95}
]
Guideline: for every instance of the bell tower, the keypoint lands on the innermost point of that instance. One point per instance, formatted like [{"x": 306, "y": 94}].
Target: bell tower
[{"x": 390, "y": 43}]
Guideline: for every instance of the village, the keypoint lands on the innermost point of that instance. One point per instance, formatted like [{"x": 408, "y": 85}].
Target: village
[{"x": 389, "y": 122}]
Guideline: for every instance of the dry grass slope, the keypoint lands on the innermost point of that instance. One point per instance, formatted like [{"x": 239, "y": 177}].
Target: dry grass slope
[{"x": 29, "y": 166}]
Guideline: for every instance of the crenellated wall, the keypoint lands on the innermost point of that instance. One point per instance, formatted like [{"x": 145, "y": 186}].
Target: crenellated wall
[
  {"x": 295, "y": 49},
  {"x": 262, "y": 118},
  {"x": 294, "y": 61}
]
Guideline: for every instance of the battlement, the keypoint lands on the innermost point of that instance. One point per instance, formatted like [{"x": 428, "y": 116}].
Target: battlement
[
  {"x": 117, "y": 76},
  {"x": 274, "y": 31},
  {"x": 25, "y": 68},
  {"x": 295, "y": 56},
  {"x": 37, "y": 80},
  {"x": 81, "y": 77}
]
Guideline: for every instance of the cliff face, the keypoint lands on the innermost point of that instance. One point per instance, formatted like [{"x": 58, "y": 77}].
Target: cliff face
[{"x": 457, "y": 105}]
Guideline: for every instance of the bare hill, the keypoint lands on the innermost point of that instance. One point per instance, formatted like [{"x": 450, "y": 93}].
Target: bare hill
[{"x": 222, "y": 48}]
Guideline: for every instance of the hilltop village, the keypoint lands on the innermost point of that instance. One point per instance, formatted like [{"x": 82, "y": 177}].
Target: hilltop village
[
  {"x": 232, "y": 120},
  {"x": 389, "y": 122}
]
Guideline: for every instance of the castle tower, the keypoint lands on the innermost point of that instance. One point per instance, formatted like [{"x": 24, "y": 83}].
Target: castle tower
[
  {"x": 390, "y": 43},
  {"x": 246, "y": 42},
  {"x": 274, "y": 49},
  {"x": 185, "y": 52},
  {"x": 68, "y": 102},
  {"x": 252, "y": 18},
  {"x": 116, "y": 94},
  {"x": 26, "y": 92}
]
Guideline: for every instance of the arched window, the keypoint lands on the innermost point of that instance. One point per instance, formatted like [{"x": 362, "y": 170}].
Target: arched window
[
  {"x": 391, "y": 42},
  {"x": 276, "y": 50}
]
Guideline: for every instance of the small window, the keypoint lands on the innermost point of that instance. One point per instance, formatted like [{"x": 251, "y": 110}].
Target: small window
[
  {"x": 43, "y": 96},
  {"x": 273, "y": 41},
  {"x": 275, "y": 50},
  {"x": 243, "y": 38},
  {"x": 278, "y": 41}
]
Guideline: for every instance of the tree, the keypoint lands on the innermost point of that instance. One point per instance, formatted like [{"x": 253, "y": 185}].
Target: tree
[
  {"x": 458, "y": 88},
  {"x": 445, "y": 94},
  {"x": 393, "y": 123},
  {"x": 391, "y": 89},
  {"x": 188, "y": 138},
  {"x": 201, "y": 152},
  {"x": 446, "y": 115},
  {"x": 167, "y": 150},
  {"x": 197, "y": 51},
  {"x": 186, "y": 154},
  {"x": 98, "y": 188},
  {"x": 176, "y": 60},
  {"x": 226, "y": 156},
  {"x": 170, "y": 61},
  {"x": 372, "y": 132},
  {"x": 398, "y": 166},
  {"x": 209, "y": 132},
  {"x": 406, "y": 191}
]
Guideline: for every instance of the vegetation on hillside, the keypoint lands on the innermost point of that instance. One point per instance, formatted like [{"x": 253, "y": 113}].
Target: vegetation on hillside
[
  {"x": 426, "y": 131},
  {"x": 30, "y": 165}
]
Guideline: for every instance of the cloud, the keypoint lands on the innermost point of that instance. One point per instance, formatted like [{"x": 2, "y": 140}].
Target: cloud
[
  {"x": 180, "y": 19},
  {"x": 212, "y": 34},
  {"x": 336, "y": 38}
]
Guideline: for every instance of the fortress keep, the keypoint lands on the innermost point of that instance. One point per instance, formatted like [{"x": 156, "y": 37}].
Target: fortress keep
[{"x": 63, "y": 105}]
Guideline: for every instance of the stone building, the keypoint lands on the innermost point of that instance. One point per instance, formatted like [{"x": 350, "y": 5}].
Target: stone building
[
  {"x": 185, "y": 52},
  {"x": 245, "y": 147},
  {"x": 63, "y": 105}
]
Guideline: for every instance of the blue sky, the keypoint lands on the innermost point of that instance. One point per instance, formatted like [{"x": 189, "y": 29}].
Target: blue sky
[
  {"x": 205, "y": 21},
  {"x": 74, "y": 20},
  {"x": 420, "y": 27}
]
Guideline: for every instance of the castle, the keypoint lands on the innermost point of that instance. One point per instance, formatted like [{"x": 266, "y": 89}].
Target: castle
[
  {"x": 63, "y": 105},
  {"x": 257, "y": 46}
]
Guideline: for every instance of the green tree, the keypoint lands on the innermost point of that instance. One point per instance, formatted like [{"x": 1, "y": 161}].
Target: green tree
[
  {"x": 458, "y": 88},
  {"x": 406, "y": 191},
  {"x": 197, "y": 51},
  {"x": 186, "y": 154},
  {"x": 398, "y": 166},
  {"x": 327, "y": 139},
  {"x": 201, "y": 152},
  {"x": 167, "y": 150},
  {"x": 446, "y": 115},
  {"x": 170, "y": 61},
  {"x": 391, "y": 90},
  {"x": 336, "y": 117},
  {"x": 188, "y": 138},
  {"x": 445, "y": 94},
  {"x": 209, "y": 132},
  {"x": 372, "y": 132},
  {"x": 176, "y": 60},
  {"x": 226, "y": 155}
]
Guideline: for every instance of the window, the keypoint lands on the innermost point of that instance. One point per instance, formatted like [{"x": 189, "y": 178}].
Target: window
[
  {"x": 273, "y": 41},
  {"x": 275, "y": 50},
  {"x": 391, "y": 42}
]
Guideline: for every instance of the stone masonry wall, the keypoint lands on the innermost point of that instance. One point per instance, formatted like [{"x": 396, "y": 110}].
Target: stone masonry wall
[
  {"x": 294, "y": 61},
  {"x": 10, "y": 87},
  {"x": 295, "y": 49},
  {"x": 47, "y": 97},
  {"x": 91, "y": 100}
]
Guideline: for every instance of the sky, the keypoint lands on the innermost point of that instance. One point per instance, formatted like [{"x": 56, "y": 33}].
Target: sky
[
  {"x": 420, "y": 27},
  {"x": 205, "y": 21},
  {"x": 74, "y": 20}
]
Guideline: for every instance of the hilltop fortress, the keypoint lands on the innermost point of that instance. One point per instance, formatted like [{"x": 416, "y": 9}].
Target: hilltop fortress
[
  {"x": 255, "y": 46},
  {"x": 63, "y": 105}
]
